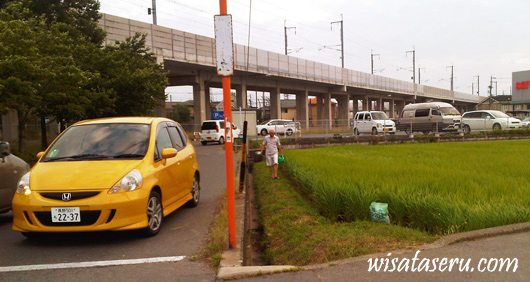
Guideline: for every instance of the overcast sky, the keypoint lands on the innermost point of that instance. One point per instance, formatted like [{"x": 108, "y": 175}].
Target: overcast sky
[{"x": 486, "y": 37}]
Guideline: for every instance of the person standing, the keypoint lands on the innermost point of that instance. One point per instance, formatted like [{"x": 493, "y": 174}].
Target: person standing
[{"x": 271, "y": 144}]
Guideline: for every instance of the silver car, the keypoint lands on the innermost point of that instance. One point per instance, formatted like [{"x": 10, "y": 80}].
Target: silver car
[{"x": 12, "y": 168}]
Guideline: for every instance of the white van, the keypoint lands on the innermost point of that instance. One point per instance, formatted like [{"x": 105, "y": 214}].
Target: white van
[
  {"x": 214, "y": 131},
  {"x": 374, "y": 122}
]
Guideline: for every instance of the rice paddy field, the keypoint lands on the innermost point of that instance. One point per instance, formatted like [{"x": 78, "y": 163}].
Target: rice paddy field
[{"x": 441, "y": 188}]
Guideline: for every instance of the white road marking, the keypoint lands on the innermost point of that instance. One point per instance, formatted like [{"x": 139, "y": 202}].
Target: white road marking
[{"x": 89, "y": 264}]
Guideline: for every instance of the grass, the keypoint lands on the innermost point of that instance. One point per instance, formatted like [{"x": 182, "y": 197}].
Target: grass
[
  {"x": 217, "y": 240},
  {"x": 441, "y": 188},
  {"x": 296, "y": 234}
]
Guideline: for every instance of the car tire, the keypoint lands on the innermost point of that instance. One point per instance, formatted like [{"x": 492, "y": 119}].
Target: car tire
[
  {"x": 374, "y": 131},
  {"x": 195, "y": 192},
  {"x": 221, "y": 140},
  {"x": 497, "y": 127},
  {"x": 356, "y": 132},
  {"x": 263, "y": 132},
  {"x": 467, "y": 129},
  {"x": 204, "y": 143},
  {"x": 434, "y": 128},
  {"x": 408, "y": 131},
  {"x": 289, "y": 132},
  {"x": 154, "y": 214}
]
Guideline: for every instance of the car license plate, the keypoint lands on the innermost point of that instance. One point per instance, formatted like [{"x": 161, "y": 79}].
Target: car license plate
[
  {"x": 208, "y": 138},
  {"x": 386, "y": 129},
  {"x": 69, "y": 214}
]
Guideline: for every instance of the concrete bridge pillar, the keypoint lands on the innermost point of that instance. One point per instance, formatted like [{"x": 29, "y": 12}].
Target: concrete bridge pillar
[
  {"x": 320, "y": 108},
  {"x": 275, "y": 104},
  {"x": 328, "y": 119},
  {"x": 199, "y": 101},
  {"x": 207, "y": 102},
  {"x": 302, "y": 112},
  {"x": 344, "y": 109},
  {"x": 392, "y": 112},
  {"x": 241, "y": 95},
  {"x": 355, "y": 106}
]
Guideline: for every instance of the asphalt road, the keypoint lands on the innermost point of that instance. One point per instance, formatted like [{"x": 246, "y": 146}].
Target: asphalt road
[{"x": 181, "y": 236}]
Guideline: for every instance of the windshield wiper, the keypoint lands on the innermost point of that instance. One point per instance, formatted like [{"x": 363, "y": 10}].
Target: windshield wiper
[
  {"x": 78, "y": 157},
  {"x": 128, "y": 156}
]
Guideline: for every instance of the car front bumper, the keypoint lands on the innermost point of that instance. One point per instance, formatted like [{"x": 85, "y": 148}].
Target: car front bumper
[{"x": 120, "y": 211}]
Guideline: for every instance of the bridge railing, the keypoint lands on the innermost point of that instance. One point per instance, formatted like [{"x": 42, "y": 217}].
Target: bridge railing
[{"x": 188, "y": 47}]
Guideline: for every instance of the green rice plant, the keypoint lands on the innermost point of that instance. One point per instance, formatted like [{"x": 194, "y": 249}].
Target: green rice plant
[{"x": 441, "y": 188}]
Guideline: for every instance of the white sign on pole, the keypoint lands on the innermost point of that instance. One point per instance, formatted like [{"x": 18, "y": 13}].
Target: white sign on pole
[{"x": 224, "y": 45}]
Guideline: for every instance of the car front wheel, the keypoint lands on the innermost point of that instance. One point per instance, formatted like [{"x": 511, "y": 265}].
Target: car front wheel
[
  {"x": 356, "y": 131},
  {"x": 289, "y": 132},
  {"x": 221, "y": 140},
  {"x": 496, "y": 127},
  {"x": 154, "y": 214},
  {"x": 264, "y": 132},
  {"x": 374, "y": 131}
]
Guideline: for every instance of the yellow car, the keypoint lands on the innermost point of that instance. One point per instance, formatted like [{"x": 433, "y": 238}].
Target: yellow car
[{"x": 109, "y": 174}]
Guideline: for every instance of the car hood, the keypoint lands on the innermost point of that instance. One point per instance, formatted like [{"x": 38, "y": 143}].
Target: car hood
[
  {"x": 385, "y": 122},
  {"x": 79, "y": 175}
]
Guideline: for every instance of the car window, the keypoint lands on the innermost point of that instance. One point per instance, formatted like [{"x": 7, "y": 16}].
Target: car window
[
  {"x": 221, "y": 125},
  {"x": 435, "y": 112},
  {"x": 101, "y": 140},
  {"x": 422, "y": 112},
  {"x": 162, "y": 141},
  {"x": 361, "y": 116},
  {"x": 486, "y": 115},
  {"x": 175, "y": 138},
  {"x": 182, "y": 134},
  {"x": 367, "y": 116},
  {"x": 209, "y": 125}
]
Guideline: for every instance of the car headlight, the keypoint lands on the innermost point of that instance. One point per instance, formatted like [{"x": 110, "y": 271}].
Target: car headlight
[
  {"x": 23, "y": 184},
  {"x": 130, "y": 182},
  {"x": 378, "y": 125}
]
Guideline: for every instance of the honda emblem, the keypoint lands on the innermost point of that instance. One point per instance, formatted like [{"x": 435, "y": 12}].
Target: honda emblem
[{"x": 67, "y": 197}]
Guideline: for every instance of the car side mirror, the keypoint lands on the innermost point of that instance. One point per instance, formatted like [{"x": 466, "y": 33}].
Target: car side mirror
[
  {"x": 168, "y": 153},
  {"x": 5, "y": 150},
  {"x": 40, "y": 154},
  {"x": 488, "y": 117}
]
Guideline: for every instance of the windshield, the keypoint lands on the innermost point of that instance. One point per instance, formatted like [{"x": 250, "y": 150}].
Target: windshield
[
  {"x": 379, "y": 116},
  {"x": 101, "y": 142},
  {"x": 526, "y": 119},
  {"x": 498, "y": 114},
  {"x": 265, "y": 122},
  {"x": 449, "y": 111}
]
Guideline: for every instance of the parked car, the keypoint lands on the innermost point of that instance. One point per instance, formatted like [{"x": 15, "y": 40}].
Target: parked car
[
  {"x": 374, "y": 122},
  {"x": 214, "y": 131},
  {"x": 488, "y": 120},
  {"x": 280, "y": 126},
  {"x": 12, "y": 168},
  {"x": 428, "y": 117},
  {"x": 525, "y": 122},
  {"x": 109, "y": 174}
]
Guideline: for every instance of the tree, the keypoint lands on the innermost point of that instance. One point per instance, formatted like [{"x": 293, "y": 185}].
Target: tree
[
  {"x": 180, "y": 113},
  {"x": 34, "y": 59},
  {"x": 137, "y": 82}
]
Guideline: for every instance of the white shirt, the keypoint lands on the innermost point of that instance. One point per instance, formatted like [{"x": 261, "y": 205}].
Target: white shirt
[{"x": 271, "y": 144}]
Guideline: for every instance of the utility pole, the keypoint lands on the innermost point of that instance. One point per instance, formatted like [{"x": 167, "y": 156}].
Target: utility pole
[
  {"x": 373, "y": 55},
  {"x": 341, "y": 22},
  {"x": 152, "y": 10},
  {"x": 419, "y": 74},
  {"x": 478, "y": 84},
  {"x": 413, "y": 64},
  {"x": 491, "y": 87},
  {"x": 285, "y": 28},
  {"x": 451, "y": 76}
]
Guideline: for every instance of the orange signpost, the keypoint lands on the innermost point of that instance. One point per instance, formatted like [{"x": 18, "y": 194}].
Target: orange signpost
[{"x": 225, "y": 69}]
